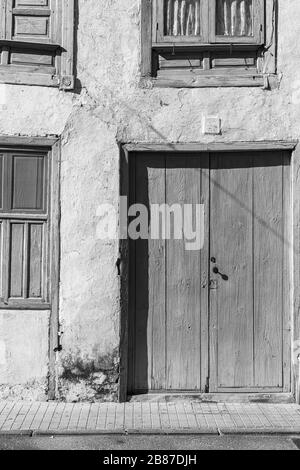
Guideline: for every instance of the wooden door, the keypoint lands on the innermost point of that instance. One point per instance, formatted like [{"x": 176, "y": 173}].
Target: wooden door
[
  {"x": 249, "y": 265},
  {"x": 217, "y": 319},
  {"x": 168, "y": 326}
]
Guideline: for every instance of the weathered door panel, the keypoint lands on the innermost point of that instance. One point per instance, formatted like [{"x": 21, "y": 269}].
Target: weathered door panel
[
  {"x": 249, "y": 241},
  {"x": 231, "y": 245},
  {"x": 183, "y": 279},
  {"x": 169, "y": 318}
]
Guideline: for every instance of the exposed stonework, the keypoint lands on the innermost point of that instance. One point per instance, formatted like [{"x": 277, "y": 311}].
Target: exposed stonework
[
  {"x": 89, "y": 379},
  {"x": 110, "y": 106}
]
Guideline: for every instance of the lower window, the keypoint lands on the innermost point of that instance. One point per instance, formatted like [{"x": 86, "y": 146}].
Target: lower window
[{"x": 24, "y": 229}]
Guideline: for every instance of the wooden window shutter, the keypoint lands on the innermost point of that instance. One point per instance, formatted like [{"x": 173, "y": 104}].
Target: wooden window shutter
[
  {"x": 37, "y": 40},
  {"x": 24, "y": 229}
]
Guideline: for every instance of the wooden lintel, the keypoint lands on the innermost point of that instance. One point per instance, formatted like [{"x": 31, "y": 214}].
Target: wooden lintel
[
  {"x": 212, "y": 147},
  {"x": 24, "y": 141}
]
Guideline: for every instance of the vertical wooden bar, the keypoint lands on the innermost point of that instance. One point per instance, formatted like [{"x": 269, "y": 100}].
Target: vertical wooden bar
[
  {"x": 131, "y": 276},
  {"x": 269, "y": 268},
  {"x": 206, "y": 61},
  {"x": 4, "y": 55},
  {"x": 6, "y": 261},
  {"x": 2, "y": 18},
  {"x": 287, "y": 270},
  {"x": 146, "y": 37},
  {"x": 184, "y": 278},
  {"x": 296, "y": 274},
  {"x": 231, "y": 306},
  {"x": 7, "y": 195},
  {"x": 204, "y": 281},
  {"x": 68, "y": 34},
  {"x": 54, "y": 332},
  {"x": 157, "y": 281},
  {"x": 9, "y": 19},
  {"x": 125, "y": 284},
  {"x": 25, "y": 260},
  {"x": 271, "y": 39}
]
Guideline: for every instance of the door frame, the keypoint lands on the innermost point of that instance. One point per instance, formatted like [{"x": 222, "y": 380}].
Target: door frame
[{"x": 125, "y": 289}]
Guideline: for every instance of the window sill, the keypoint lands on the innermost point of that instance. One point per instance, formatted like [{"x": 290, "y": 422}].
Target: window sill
[
  {"x": 30, "y": 44},
  {"x": 24, "y": 305},
  {"x": 171, "y": 46},
  {"x": 13, "y": 77},
  {"x": 209, "y": 81}
]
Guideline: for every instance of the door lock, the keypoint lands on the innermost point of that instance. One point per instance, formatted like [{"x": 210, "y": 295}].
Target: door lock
[{"x": 213, "y": 284}]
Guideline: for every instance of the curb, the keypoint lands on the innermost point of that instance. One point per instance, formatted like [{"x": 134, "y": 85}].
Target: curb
[
  {"x": 16, "y": 433},
  {"x": 155, "y": 432},
  {"x": 261, "y": 431},
  {"x": 128, "y": 432}
]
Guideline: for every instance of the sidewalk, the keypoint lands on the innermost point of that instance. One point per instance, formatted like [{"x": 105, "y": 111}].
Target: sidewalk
[{"x": 166, "y": 418}]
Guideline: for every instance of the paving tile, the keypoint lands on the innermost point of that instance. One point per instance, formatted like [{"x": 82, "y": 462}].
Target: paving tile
[
  {"x": 11, "y": 416},
  {"x": 173, "y": 415},
  {"x": 155, "y": 418},
  {"x": 137, "y": 416},
  {"x": 66, "y": 416},
  {"x": 102, "y": 416},
  {"x": 181, "y": 416},
  {"x": 111, "y": 416},
  {"x": 120, "y": 416},
  {"x": 46, "y": 420},
  {"x": 93, "y": 416},
  {"x": 190, "y": 415},
  {"x": 57, "y": 416},
  {"x": 28, "y": 420},
  {"x": 128, "y": 419},
  {"x": 75, "y": 415},
  {"x": 84, "y": 416},
  {"x": 20, "y": 416},
  {"x": 38, "y": 418},
  {"x": 164, "y": 416}
]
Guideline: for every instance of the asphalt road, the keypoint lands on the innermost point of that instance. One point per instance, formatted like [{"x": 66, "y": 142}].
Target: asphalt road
[{"x": 148, "y": 442}]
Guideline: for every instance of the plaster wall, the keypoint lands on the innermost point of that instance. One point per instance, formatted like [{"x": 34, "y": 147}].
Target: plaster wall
[{"x": 109, "y": 107}]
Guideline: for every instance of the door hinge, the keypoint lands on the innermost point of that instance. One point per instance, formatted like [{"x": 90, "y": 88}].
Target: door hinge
[{"x": 207, "y": 385}]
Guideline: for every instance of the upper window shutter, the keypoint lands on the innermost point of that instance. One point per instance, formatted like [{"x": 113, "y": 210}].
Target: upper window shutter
[
  {"x": 37, "y": 38},
  {"x": 30, "y": 20},
  {"x": 236, "y": 21}
]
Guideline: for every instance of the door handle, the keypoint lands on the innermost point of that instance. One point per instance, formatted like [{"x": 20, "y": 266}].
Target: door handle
[{"x": 223, "y": 276}]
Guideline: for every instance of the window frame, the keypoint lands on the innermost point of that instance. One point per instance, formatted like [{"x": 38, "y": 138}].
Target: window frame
[
  {"x": 258, "y": 37},
  {"x": 48, "y": 218},
  {"x": 158, "y": 26},
  {"x": 264, "y": 75},
  {"x": 60, "y": 44},
  {"x": 208, "y": 26}
]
